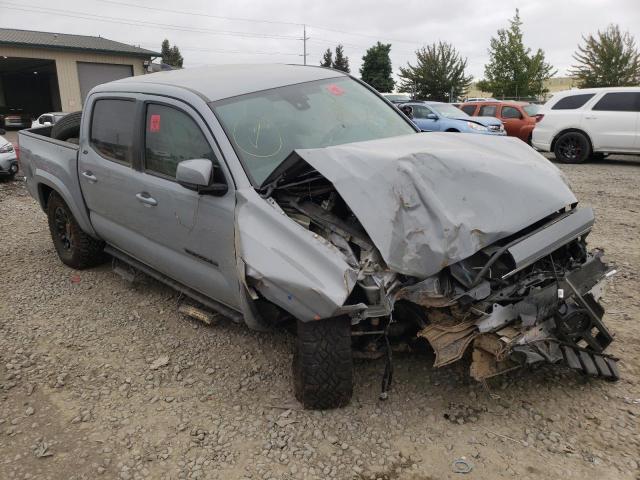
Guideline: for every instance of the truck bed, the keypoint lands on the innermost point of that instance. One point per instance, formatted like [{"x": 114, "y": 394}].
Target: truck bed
[{"x": 52, "y": 165}]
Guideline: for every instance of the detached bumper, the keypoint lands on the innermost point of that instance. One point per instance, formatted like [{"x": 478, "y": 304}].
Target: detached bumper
[{"x": 561, "y": 323}]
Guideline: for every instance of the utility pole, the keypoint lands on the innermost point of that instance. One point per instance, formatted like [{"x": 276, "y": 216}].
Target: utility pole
[{"x": 304, "y": 43}]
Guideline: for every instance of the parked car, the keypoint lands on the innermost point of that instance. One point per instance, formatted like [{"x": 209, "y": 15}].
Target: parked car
[
  {"x": 444, "y": 117},
  {"x": 47, "y": 119},
  {"x": 589, "y": 123},
  {"x": 8, "y": 158},
  {"x": 519, "y": 118},
  {"x": 397, "y": 98},
  {"x": 282, "y": 194},
  {"x": 16, "y": 120},
  {"x": 480, "y": 99}
]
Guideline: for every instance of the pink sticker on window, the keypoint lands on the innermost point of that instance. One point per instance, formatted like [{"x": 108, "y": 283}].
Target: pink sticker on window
[
  {"x": 334, "y": 89},
  {"x": 154, "y": 123}
]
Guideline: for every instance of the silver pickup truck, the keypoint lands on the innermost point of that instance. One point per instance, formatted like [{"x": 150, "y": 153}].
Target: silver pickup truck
[{"x": 282, "y": 194}]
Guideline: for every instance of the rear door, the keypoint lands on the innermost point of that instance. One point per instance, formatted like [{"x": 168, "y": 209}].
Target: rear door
[{"x": 612, "y": 121}]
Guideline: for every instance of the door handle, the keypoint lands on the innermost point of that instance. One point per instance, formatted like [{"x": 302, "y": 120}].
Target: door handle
[
  {"x": 590, "y": 118},
  {"x": 89, "y": 176},
  {"x": 147, "y": 199}
]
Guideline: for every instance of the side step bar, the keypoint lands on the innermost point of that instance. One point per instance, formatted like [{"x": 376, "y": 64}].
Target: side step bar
[{"x": 198, "y": 297}]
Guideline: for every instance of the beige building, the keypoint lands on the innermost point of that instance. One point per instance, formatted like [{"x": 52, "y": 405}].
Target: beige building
[{"x": 45, "y": 72}]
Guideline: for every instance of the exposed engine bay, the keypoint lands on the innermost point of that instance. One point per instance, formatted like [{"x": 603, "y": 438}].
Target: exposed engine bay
[{"x": 530, "y": 297}]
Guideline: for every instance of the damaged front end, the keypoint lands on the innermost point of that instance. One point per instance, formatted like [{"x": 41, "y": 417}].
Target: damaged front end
[
  {"x": 436, "y": 238},
  {"x": 528, "y": 299}
]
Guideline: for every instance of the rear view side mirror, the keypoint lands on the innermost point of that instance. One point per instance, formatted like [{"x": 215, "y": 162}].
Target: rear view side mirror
[
  {"x": 431, "y": 116},
  {"x": 196, "y": 175}
]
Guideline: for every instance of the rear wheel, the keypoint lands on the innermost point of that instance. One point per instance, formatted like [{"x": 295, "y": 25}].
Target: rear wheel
[
  {"x": 67, "y": 127},
  {"x": 75, "y": 248},
  {"x": 572, "y": 147},
  {"x": 323, "y": 363}
]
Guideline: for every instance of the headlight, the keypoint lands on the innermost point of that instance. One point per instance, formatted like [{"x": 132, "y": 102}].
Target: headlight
[
  {"x": 477, "y": 127},
  {"x": 6, "y": 148}
]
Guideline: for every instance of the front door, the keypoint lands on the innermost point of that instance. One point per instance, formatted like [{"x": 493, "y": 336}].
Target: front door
[
  {"x": 425, "y": 118},
  {"x": 512, "y": 119}
]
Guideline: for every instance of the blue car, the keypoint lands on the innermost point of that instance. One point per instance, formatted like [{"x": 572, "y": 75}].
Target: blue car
[{"x": 444, "y": 117}]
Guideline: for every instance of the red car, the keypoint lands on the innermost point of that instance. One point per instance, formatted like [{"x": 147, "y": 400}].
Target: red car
[{"x": 519, "y": 118}]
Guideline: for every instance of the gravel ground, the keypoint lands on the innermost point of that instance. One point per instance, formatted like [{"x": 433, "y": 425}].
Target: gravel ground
[{"x": 103, "y": 379}]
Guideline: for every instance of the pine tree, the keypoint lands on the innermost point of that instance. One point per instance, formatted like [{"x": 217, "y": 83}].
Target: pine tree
[
  {"x": 376, "y": 68},
  {"x": 341, "y": 62},
  {"x": 512, "y": 70},
  {"x": 171, "y": 55},
  {"x": 439, "y": 74},
  {"x": 327, "y": 59},
  {"x": 610, "y": 59}
]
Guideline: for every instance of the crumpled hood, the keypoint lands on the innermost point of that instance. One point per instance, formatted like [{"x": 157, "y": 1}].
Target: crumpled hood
[{"x": 432, "y": 199}]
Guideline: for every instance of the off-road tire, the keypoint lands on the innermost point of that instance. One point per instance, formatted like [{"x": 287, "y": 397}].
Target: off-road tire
[
  {"x": 572, "y": 147},
  {"x": 79, "y": 250},
  {"x": 67, "y": 127},
  {"x": 323, "y": 363}
]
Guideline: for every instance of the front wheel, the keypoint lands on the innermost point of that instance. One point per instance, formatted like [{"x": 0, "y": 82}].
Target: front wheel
[
  {"x": 75, "y": 248},
  {"x": 323, "y": 363},
  {"x": 572, "y": 147}
]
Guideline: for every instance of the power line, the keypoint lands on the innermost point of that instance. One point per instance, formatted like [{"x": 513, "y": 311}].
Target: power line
[
  {"x": 198, "y": 14},
  {"x": 217, "y": 50},
  {"x": 102, "y": 18},
  {"x": 254, "y": 20}
]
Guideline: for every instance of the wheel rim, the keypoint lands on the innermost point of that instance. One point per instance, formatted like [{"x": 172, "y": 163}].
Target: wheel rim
[
  {"x": 570, "y": 147},
  {"x": 63, "y": 228}
]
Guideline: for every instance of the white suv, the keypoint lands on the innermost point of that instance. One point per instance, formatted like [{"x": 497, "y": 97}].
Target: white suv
[{"x": 579, "y": 124}]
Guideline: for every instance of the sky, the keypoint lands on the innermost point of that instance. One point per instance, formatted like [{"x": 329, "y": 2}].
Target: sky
[{"x": 250, "y": 31}]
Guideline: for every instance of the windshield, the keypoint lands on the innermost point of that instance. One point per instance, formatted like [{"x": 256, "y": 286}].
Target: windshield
[
  {"x": 447, "y": 110},
  {"x": 532, "y": 110},
  {"x": 392, "y": 97},
  {"x": 265, "y": 127}
]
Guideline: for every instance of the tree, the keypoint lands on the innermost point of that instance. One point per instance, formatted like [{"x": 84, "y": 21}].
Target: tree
[
  {"x": 512, "y": 70},
  {"x": 341, "y": 62},
  {"x": 327, "y": 59},
  {"x": 610, "y": 59},
  {"x": 376, "y": 68},
  {"x": 439, "y": 73},
  {"x": 171, "y": 55}
]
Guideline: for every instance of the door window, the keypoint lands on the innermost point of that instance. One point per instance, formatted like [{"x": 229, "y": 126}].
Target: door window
[
  {"x": 172, "y": 136},
  {"x": 487, "y": 111},
  {"x": 420, "y": 112},
  {"x": 572, "y": 101},
  {"x": 113, "y": 128},
  {"x": 510, "y": 112},
  {"x": 468, "y": 109},
  {"x": 619, "y": 102}
]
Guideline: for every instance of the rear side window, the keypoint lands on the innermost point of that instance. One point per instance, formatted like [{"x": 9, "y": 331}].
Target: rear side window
[
  {"x": 510, "y": 112},
  {"x": 572, "y": 101},
  {"x": 468, "y": 109},
  {"x": 420, "y": 112},
  {"x": 619, "y": 102},
  {"x": 172, "y": 136},
  {"x": 487, "y": 111},
  {"x": 112, "y": 129}
]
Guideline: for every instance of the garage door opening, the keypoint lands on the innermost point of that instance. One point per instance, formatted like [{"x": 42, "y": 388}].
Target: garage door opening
[
  {"x": 93, "y": 74},
  {"x": 28, "y": 86}
]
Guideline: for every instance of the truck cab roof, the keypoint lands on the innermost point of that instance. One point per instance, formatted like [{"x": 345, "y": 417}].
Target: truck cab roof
[{"x": 217, "y": 82}]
